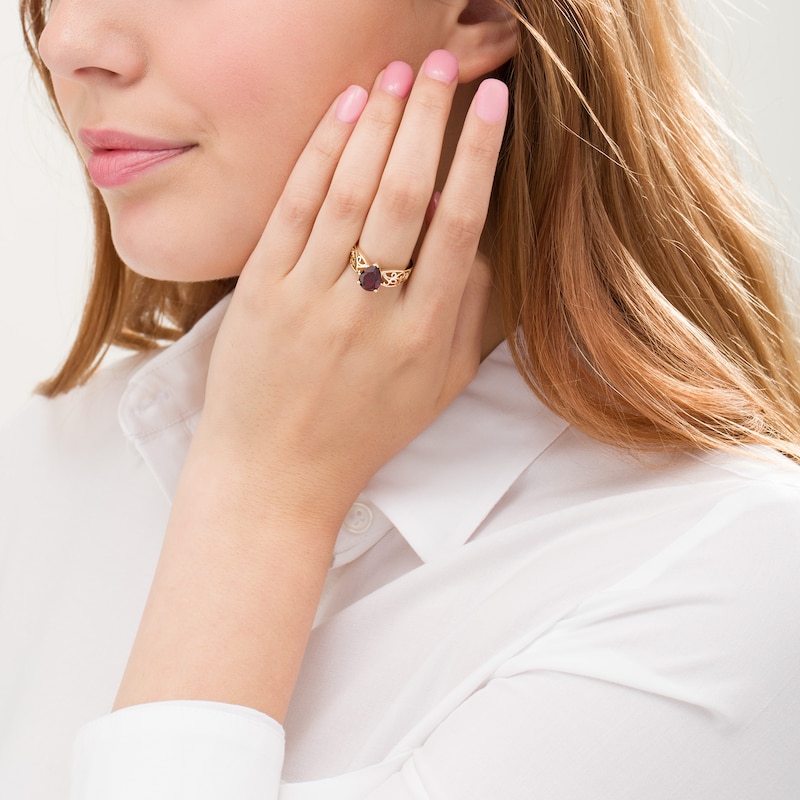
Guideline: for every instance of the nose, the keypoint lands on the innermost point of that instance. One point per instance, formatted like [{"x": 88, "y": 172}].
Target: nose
[{"x": 92, "y": 41}]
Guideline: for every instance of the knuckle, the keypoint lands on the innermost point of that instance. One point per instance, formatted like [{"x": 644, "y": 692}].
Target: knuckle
[
  {"x": 350, "y": 334},
  {"x": 299, "y": 208},
  {"x": 351, "y": 326},
  {"x": 422, "y": 338},
  {"x": 325, "y": 152},
  {"x": 483, "y": 149},
  {"x": 462, "y": 227},
  {"x": 382, "y": 124},
  {"x": 348, "y": 200},
  {"x": 431, "y": 103},
  {"x": 406, "y": 195}
]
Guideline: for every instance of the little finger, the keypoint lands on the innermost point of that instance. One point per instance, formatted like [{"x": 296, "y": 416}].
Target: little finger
[
  {"x": 451, "y": 242},
  {"x": 392, "y": 228}
]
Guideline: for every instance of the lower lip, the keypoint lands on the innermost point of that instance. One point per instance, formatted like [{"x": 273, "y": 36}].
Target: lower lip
[{"x": 111, "y": 168}]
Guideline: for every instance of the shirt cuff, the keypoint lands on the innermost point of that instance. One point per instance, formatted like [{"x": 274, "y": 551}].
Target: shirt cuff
[{"x": 179, "y": 749}]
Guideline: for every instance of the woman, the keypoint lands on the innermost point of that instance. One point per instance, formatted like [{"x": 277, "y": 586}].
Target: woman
[{"x": 443, "y": 565}]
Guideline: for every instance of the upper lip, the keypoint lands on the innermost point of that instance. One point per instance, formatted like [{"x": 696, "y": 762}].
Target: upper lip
[{"x": 97, "y": 140}]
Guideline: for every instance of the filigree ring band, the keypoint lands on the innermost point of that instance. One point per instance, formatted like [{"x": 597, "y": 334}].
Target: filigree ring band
[{"x": 372, "y": 276}]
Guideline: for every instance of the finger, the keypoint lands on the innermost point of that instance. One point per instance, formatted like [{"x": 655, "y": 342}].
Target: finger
[
  {"x": 356, "y": 179},
  {"x": 449, "y": 248},
  {"x": 395, "y": 219},
  {"x": 470, "y": 324},
  {"x": 431, "y": 210},
  {"x": 293, "y": 217}
]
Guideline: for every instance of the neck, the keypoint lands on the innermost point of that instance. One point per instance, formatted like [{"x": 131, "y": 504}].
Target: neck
[{"x": 493, "y": 329}]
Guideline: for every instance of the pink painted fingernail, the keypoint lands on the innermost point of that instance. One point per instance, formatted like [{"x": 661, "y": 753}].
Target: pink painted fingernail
[
  {"x": 441, "y": 66},
  {"x": 397, "y": 79},
  {"x": 437, "y": 196},
  {"x": 351, "y": 104},
  {"x": 491, "y": 100}
]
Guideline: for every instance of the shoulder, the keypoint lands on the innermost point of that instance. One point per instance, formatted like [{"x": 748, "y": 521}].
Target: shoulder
[
  {"x": 706, "y": 542},
  {"x": 83, "y": 415},
  {"x": 61, "y": 458},
  {"x": 681, "y": 490},
  {"x": 693, "y": 565}
]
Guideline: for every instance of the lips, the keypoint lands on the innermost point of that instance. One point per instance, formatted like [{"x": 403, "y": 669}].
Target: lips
[{"x": 118, "y": 158}]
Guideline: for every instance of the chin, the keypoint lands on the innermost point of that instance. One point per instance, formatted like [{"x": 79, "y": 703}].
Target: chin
[
  {"x": 181, "y": 259},
  {"x": 177, "y": 270}
]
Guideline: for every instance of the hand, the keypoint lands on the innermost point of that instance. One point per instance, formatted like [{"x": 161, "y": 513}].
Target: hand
[
  {"x": 315, "y": 383},
  {"x": 316, "y": 380}
]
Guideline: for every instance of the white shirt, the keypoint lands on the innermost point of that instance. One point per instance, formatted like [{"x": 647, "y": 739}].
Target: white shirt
[{"x": 513, "y": 611}]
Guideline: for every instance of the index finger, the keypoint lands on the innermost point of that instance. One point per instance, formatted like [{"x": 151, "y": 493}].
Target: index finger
[{"x": 293, "y": 217}]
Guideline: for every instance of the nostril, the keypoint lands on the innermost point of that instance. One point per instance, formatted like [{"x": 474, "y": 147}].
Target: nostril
[{"x": 80, "y": 46}]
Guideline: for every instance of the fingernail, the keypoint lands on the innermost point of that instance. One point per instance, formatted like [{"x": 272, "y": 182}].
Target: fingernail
[
  {"x": 491, "y": 100},
  {"x": 397, "y": 79},
  {"x": 441, "y": 66},
  {"x": 437, "y": 196},
  {"x": 351, "y": 104}
]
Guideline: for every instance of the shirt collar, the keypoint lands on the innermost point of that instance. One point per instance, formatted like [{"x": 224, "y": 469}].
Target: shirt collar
[
  {"x": 436, "y": 492},
  {"x": 160, "y": 409},
  {"x": 445, "y": 483}
]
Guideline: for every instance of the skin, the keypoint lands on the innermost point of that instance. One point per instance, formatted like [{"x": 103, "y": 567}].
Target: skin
[
  {"x": 282, "y": 452},
  {"x": 239, "y": 82}
]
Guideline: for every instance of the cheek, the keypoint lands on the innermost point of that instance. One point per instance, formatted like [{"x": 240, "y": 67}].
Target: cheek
[
  {"x": 236, "y": 98},
  {"x": 257, "y": 97},
  {"x": 69, "y": 98},
  {"x": 254, "y": 93},
  {"x": 269, "y": 75}
]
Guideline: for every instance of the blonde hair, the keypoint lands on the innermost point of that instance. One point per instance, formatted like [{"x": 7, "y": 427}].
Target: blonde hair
[{"x": 639, "y": 292}]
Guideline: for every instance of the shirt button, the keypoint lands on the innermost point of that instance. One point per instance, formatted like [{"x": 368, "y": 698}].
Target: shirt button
[{"x": 358, "y": 519}]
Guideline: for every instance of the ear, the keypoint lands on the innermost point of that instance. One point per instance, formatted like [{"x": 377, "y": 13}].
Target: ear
[{"x": 483, "y": 37}]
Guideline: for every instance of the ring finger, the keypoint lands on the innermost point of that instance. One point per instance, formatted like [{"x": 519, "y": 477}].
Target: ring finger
[
  {"x": 355, "y": 181},
  {"x": 395, "y": 219}
]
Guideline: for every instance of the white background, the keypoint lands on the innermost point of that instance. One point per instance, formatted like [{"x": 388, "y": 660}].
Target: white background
[{"x": 44, "y": 226}]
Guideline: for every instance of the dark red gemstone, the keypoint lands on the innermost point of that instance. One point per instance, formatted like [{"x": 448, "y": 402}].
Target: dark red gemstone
[{"x": 370, "y": 279}]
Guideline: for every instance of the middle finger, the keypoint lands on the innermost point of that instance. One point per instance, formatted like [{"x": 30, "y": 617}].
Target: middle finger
[
  {"x": 386, "y": 190},
  {"x": 356, "y": 177},
  {"x": 395, "y": 219}
]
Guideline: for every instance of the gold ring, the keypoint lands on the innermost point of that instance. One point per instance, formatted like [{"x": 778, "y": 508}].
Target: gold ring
[{"x": 372, "y": 276}]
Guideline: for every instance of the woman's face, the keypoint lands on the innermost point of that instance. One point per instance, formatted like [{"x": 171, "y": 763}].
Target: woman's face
[{"x": 216, "y": 99}]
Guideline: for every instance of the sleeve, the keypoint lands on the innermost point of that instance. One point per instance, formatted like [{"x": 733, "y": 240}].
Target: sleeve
[
  {"x": 679, "y": 682},
  {"x": 179, "y": 749}
]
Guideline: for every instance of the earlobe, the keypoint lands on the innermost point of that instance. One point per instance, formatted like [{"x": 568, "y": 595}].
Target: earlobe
[{"x": 483, "y": 38}]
